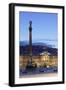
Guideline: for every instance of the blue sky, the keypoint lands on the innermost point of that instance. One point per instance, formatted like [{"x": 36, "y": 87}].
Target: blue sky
[{"x": 44, "y": 27}]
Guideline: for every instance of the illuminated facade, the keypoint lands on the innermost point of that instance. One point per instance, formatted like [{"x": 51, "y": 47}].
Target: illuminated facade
[{"x": 43, "y": 60}]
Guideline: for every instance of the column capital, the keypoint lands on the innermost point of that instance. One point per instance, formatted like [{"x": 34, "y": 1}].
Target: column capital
[{"x": 30, "y": 25}]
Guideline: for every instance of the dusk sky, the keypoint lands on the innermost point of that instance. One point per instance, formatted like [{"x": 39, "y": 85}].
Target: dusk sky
[{"x": 44, "y": 27}]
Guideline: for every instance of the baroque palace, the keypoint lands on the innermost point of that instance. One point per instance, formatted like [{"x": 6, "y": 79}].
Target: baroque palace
[{"x": 45, "y": 59}]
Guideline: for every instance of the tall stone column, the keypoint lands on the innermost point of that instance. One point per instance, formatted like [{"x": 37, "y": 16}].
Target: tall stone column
[
  {"x": 30, "y": 41},
  {"x": 29, "y": 64}
]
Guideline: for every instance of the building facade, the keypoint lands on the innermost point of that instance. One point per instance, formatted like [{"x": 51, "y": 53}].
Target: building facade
[{"x": 43, "y": 60}]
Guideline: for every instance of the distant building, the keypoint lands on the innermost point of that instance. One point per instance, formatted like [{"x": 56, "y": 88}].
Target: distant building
[{"x": 45, "y": 59}]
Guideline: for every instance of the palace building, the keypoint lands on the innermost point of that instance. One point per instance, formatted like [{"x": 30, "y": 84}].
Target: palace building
[{"x": 45, "y": 59}]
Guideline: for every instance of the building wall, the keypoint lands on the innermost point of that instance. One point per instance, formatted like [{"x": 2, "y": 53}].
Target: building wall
[{"x": 39, "y": 61}]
